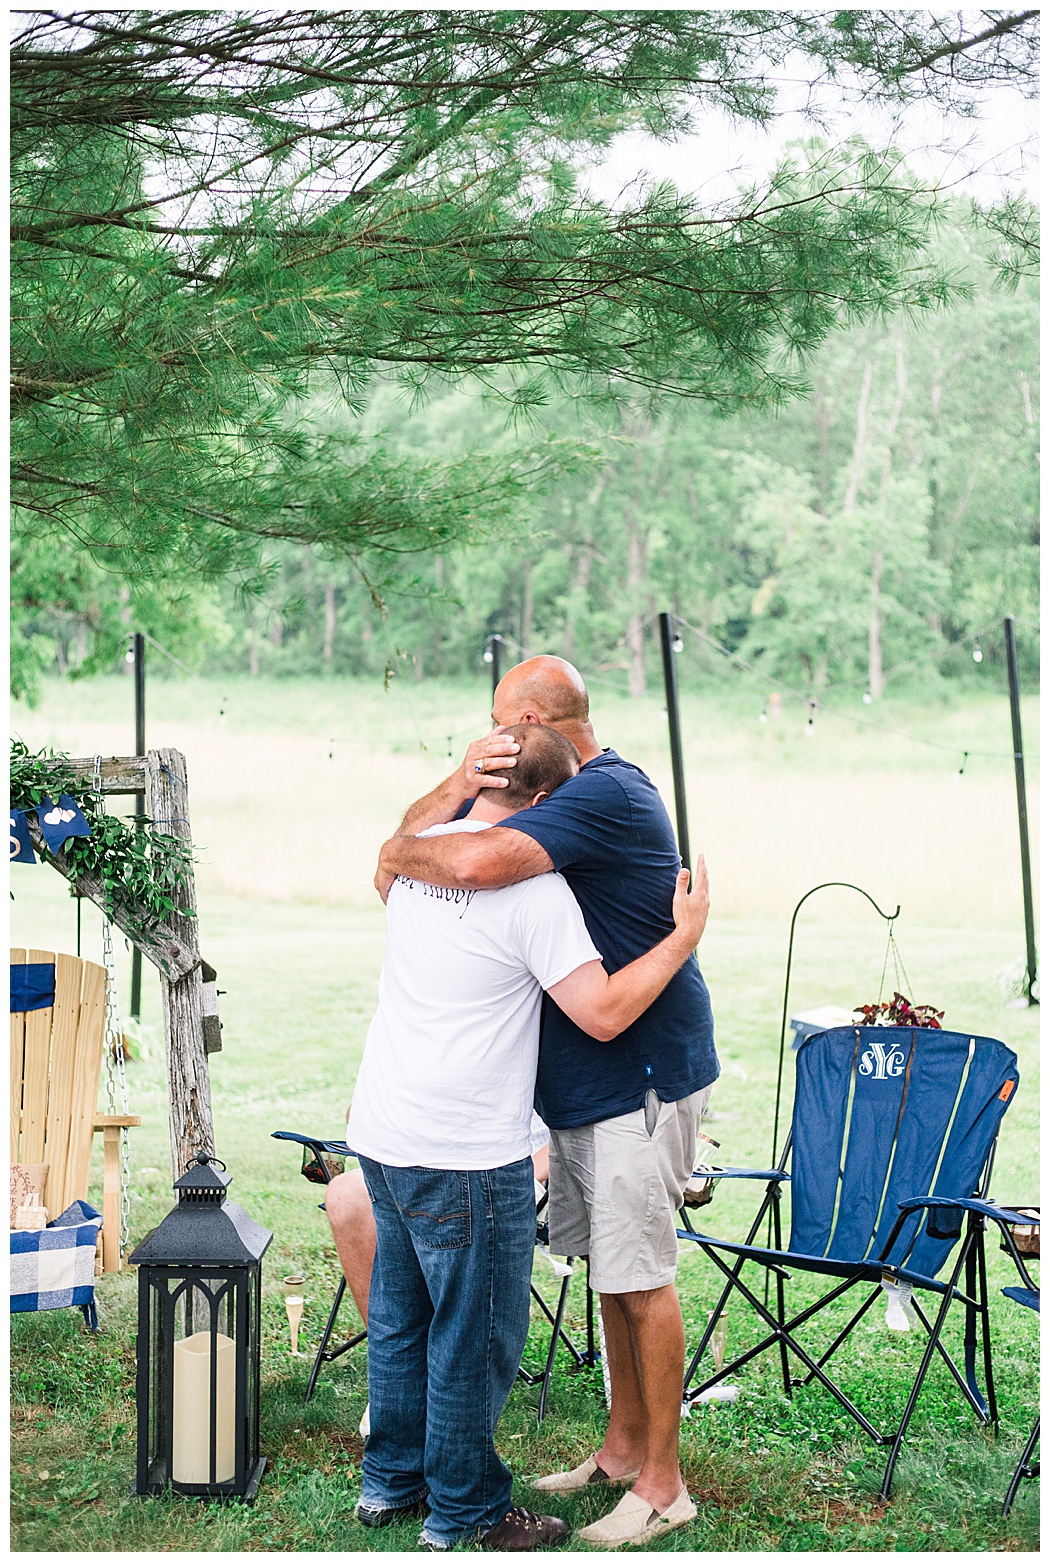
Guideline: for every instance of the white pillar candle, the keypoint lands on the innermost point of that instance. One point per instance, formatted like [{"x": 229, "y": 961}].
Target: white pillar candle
[{"x": 191, "y": 1410}]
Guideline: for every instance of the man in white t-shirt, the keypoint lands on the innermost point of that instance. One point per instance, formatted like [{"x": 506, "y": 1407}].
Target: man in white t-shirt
[{"x": 441, "y": 1121}]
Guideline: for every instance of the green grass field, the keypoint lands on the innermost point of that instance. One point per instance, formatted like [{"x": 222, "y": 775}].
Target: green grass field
[{"x": 287, "y": 919}]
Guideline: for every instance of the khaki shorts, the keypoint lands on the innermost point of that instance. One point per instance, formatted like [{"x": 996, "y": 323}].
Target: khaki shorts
[{"x": 616, "y": 1188}]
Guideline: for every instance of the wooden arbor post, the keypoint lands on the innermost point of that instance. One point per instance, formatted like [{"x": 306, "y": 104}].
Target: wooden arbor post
[{"x": 172, "y": 946}]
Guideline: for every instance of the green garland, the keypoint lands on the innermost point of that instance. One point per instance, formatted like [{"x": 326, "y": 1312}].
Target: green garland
[{"x": 141, "y": 868}]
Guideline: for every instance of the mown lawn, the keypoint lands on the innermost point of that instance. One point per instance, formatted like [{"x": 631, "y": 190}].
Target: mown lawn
[{"x": 766, "y": 1473}]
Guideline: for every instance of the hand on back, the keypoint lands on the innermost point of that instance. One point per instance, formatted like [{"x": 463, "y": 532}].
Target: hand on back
[{"x": 692, "y": 905}]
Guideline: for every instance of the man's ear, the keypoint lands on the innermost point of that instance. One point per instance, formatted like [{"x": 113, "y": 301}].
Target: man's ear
[
  {"x": 531, "y": 719},
  {"x": 539, "y": 798}
]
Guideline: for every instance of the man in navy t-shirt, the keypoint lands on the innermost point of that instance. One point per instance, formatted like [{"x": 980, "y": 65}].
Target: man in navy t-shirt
[{"x": 623, "y": 1115}]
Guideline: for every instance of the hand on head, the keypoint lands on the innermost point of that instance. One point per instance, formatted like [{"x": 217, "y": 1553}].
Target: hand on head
[{"x": 486, "y": 759}]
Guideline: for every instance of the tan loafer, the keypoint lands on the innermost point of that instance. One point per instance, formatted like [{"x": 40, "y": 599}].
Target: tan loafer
[
  {"x": 589, "y": 1473},
  {"x": 634, "y": 1523}
]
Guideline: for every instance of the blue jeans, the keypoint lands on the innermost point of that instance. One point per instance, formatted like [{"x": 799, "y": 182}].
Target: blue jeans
[{"x": 448, "y": 1314}]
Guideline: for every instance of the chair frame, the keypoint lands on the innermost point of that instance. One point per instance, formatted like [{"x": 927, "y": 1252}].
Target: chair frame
[
  {"x": 970, "y": 1263},
  {"x": 1025, "y": 1469},
  {"x": 555, "y": 1318}
]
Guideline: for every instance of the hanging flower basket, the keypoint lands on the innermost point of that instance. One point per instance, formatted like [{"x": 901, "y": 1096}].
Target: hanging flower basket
[{"x": 900, "y": 1011}]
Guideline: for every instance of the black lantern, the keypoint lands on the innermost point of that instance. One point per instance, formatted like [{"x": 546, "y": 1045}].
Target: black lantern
[{"x": 198, "y": 1348}]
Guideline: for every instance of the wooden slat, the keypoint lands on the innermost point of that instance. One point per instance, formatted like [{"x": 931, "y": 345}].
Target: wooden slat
[
  {"x": 36, "y": 1071},
  {"x": 111, "y": 1200},
  {"x": 87, "y": 1065},
  {"x": 18, "y": 1036},
  {"x": 69, "y": 973},
  {"x": 120, "y": 773}
]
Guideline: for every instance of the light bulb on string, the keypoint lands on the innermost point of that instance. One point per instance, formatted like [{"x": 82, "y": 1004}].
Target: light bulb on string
[
  {"x": 222, "y": 716},
  {"x": 677, "y": 644},
  {"x": 129, "y": 656},
  {"x": 762, "y": 717},
  {"x": 450, "y": 745},
  {"x": 957, "y": 777},
  {"x": 810, "y": 728},
  {"x": 331, "y": 750},
  {"x": 978, "y": 654},
  {"x": 866, "y": 696}
]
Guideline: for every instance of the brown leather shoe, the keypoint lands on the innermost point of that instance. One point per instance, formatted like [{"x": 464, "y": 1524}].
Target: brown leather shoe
[{"x": 520, "y": 1530}]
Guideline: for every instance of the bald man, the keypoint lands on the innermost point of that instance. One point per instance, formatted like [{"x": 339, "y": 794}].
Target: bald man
[{"x": 623, "y": 1115}]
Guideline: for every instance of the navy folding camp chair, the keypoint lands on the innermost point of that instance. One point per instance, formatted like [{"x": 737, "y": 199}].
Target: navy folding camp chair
[
  {"x": 888, "y": 1158},
  {"x": 317, "y": 1167},
  {"x": 1026, "y": 1295}
]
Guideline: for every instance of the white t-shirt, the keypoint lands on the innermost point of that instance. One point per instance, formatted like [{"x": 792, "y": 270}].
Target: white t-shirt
[{"x": 449, "y": 1069}]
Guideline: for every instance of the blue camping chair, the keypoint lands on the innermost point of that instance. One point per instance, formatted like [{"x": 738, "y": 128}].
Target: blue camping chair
[
  {"x": 890, "y": 1155},
  {"x": 1026, "y": 1295},
  {"x": 317, "y": 1167}
]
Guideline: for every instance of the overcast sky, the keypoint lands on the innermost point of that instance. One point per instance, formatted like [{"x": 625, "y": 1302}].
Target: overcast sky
[{"x": 984, "y": 157}]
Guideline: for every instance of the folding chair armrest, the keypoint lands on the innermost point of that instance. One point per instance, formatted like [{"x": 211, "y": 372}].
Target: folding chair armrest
[
  {"x": 745, "y": 1171},
  {"x": 331, "y": 1146},
  {"x": 1005, "y": 1217}
]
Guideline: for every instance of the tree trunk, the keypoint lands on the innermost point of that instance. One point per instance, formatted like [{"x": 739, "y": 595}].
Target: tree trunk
[
  {"x": 527, "y": 611},
  {"x": 277, "y": 630},
  {"x": 124, "y": 597},
  {"x": 822, "y": 429},
  {"x": 876, "y": 682},
  {"x": 640, "y": 429},
  {"x": 253, "y": 652},
  {"x": 860, "y": 443},
  {"x": 635, "y": 624},
  {"x": 80, "y": 641},
  {"x": 439, "y": 582},
  {"x": 189, "y": 1087},
  {"x": 581, "y": 579},
  {"x": 329, "y": 626}
]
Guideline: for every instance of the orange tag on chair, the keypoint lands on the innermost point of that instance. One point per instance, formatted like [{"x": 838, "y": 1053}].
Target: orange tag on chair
[{"x": 1007, "y": 1091}]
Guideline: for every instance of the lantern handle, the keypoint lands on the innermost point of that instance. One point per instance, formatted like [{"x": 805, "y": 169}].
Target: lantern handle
[{"x": 202, "y": 1158}]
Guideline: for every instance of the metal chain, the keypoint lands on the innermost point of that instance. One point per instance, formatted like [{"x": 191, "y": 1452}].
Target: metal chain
[{"x": 116, "y": 1077}]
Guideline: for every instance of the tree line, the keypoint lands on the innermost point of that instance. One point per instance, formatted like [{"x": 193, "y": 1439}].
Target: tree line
[{"x": 239, "y": 239}]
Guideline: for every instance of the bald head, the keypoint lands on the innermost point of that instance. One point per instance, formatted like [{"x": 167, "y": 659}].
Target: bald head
[{"x": 547, "y": 689}]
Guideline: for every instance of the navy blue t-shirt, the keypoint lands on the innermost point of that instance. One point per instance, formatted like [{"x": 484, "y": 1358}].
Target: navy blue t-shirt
[{"x": 607, "y": 833}]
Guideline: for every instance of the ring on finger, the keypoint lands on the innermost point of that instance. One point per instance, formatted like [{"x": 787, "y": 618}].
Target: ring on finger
[{"x": 479, "y": 766}]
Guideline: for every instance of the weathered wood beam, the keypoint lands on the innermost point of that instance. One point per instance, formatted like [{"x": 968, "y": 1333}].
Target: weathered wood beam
[
  {"x": 125, "y": 773},
  {"x": 189, "y": 1087},
  {"x": 170, "y": 952}
]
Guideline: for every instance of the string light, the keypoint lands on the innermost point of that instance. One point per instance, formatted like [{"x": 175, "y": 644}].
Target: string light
[
  {"x": 957, "y": 778},
  {"x": 331, "y": 747},
  {"x": 978, "y": 654},
  {"x": 810, "y": 727},
  {"x": 677, "y": 644},
  {"x": 486, "y": 655},
  {"x": 762, "y": 717},
  {"x": 866, "y": 696}
]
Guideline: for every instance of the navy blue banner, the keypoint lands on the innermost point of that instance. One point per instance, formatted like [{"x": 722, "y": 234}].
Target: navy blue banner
[
  {"x": 21, "y": 845},
  {"x": 32, "y": 987},
  {"x": 58, "y": 821}
]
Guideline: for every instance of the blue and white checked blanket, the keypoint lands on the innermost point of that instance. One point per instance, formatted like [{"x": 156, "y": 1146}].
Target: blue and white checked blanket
[{"x": 56, "y": 1267}]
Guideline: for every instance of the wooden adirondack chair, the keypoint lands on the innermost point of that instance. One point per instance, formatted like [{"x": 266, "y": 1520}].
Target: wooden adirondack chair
[{"x": 56, "y": 1063}]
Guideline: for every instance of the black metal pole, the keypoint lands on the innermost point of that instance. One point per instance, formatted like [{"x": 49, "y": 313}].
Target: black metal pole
[
  {"x": 140, "y": 748},
  {"x": 1022, "y": 810},
  {"x": 674, "y": 729}
]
